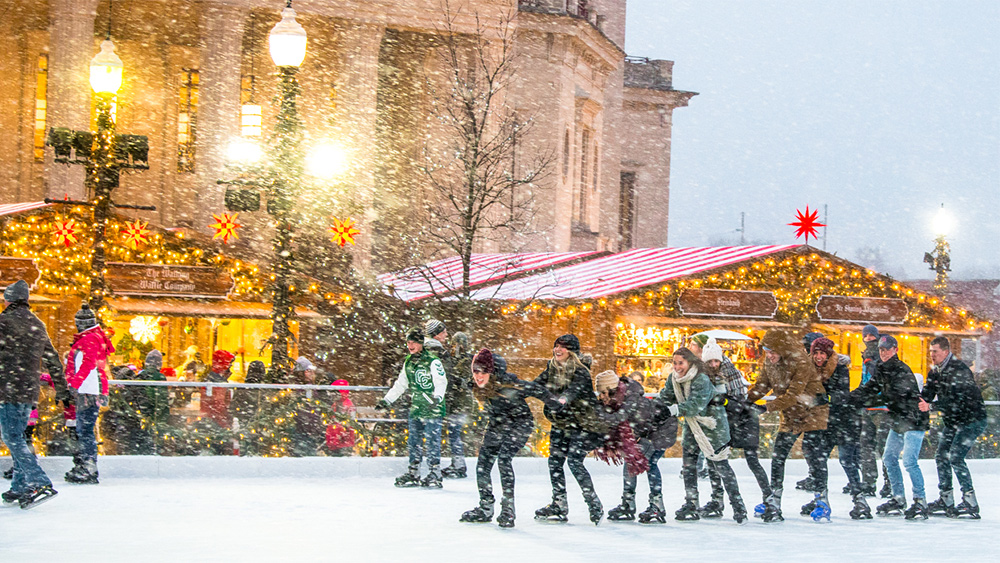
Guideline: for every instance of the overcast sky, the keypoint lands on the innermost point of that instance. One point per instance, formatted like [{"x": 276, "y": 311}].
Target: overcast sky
[{"x": 880, "y": 109}]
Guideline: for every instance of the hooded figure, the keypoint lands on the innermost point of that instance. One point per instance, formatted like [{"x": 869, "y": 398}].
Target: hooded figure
[{"x": 246, "y": 401}]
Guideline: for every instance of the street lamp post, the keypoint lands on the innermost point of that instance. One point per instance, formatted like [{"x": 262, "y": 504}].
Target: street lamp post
[{"x": 940, "y": 258}]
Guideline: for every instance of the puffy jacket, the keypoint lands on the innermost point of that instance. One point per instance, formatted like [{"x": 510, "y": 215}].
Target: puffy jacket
[
  {"x": 797, "y": 387},
  {"x": 571, "y": 406},
  {"x": 895, "y": 386},
  {"x": 24, "y": 344},
  {"x": 953, "y": 390},
  {"x": 640, "y": 413},
  {"x": 87, "y": 366}
]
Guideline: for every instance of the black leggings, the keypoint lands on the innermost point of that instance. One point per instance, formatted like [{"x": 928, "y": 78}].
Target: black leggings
[
  {"x": 813, "y": 447},
  {"x": 571, "y": 445},
  {"x": 689, "y": 469},
  {"x": 500, "y": 444},
  {"x": 753, "y": 462}
]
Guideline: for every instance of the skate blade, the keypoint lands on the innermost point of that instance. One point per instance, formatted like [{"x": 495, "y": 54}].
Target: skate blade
[
  {"x": 552, "y": 519},
  {"x": 38, "y": 501}
]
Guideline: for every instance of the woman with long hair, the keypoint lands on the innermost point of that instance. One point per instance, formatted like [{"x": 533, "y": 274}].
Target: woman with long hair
[{"x": 689, "y": 393}]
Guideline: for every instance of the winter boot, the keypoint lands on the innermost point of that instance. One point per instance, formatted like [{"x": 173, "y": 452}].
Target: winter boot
[
  {"x": 35, "y": 497},
  {"x": 861, "y": 511},
  {"x": 10, "y": 497},
  {"x": 481, "y": 513},
  {"x": 772, "y": 507},
  {"x": 945, "y": 505},
  {"x": 456, "y": 470},
  {"x": 807, "y": 484},
  {"x": 655, "y": 512},
  {"x": 969, "y": 506},
  {"x": 894, "y": 507},
  {"x": 625, "y": 510},
  {"x": 822, "y": 507},
  {"x": 712, "y": 509},
  {"x": 506, "y": 517},
  {"x": 595, "y": 507},
  {"x": 433, "y": 479},
  {"x": 739, "y": 509},
  {"x": 689, "y": 511},
  {"x": 917, "y": 510},
  {"x": 409, "y": 479},
  {"x": 557, "y": 511}
]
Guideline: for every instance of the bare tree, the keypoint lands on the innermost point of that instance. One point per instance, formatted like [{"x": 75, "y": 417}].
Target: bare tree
[{"x": 475, "y": 178}]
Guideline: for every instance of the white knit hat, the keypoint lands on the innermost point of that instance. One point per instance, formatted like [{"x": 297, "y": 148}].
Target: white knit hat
[
  {"x": 711, "y": 351},
  {"x": 606, "y": 380}
]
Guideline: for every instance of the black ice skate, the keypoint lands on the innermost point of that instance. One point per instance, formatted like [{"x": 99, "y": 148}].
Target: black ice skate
[
  {"x": 886, "y": 491},
  {"x": 408, "y": 479},
  {"x": 624, "y": 511},
  {"x": 481, "y": 513},
  {"x": 9, "y": 473},
  {"x": 944, "y": 506},
  {"x": 807, "y": 484},
  {"x": 557, "y": 511},
  {"x": 655, "y": 512},
  {"x": 595, "y": 508},
  {"x": 452, "y": 472},
  {"x": 712, "y": 509},
  {"x": 868, "y": 490},
  {"x": 10, "y": 497},
  {"x": 917, "y": 510},
  {"x": 894, "y": 507},
  {"x": 506, "y": 517},
  {"x": 432, "y": 480},
  {"x": 688, "y": 512},
  {"x": 35, "y": 497},
  {"x": 969, "y": 507},
  {"x": 739, "y": 509},
  {"x": 861, "y": 510}
]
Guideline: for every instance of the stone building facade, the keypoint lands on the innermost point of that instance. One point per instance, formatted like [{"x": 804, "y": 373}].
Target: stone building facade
[{"x": 367, "y": 82}]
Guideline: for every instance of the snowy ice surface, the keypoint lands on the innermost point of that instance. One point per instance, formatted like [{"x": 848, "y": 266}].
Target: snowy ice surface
[{"x": 324, "y": 509}]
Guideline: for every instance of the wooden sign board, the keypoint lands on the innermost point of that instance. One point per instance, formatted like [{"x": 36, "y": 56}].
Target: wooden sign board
[
  {"x": 842, "y": 308},
  {"x": 728, "y": 303},
  {"x": 154, "y": 280},
  {"x": 13, "y": 269}
]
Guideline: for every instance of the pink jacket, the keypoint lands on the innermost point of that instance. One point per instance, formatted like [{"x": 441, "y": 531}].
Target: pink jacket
[{"x": 89, "y": 356}]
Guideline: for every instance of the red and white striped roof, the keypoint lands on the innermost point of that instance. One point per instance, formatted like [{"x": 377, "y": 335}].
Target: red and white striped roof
[
  {"x": 444, "y": 276},
  {"x": 12, "y": 208},
  {"x": 622, "y": 272}
]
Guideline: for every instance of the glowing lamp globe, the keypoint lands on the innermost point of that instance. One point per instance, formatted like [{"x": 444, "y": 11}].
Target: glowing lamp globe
[
  {"x": 287, "y": 41},
  {"x": 943, "y": 223},
  {"x": 106, "y": 70}
]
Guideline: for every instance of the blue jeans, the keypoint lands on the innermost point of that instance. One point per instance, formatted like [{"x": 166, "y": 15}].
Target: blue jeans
[
  {"x": 956, "y": 441},
  {"x": 87, "y": 409},
  {"x": 909, "y": 444},
  {"x": 423, "y": 430},
  {"x": 456, "y": 427},
  {"x": 28, "y": 475}
]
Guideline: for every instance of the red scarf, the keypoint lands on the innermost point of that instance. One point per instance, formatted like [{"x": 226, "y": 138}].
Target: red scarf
[{"x": 620, "y": 443}]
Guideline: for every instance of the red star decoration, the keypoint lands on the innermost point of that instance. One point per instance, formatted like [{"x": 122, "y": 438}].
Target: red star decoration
[
  {"x": 343, "y": 231},
  {"x": 225, "y": 226},
  {"x": 135, "y": 233},
  {"x": 806, "y": 224},
  {"x": 66, "y": 232}
]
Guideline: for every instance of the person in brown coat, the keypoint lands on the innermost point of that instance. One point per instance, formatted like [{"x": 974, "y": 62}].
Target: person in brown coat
[{"x": 801, "y": 399}]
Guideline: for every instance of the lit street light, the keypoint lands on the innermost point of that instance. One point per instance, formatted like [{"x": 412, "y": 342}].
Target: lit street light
[{"x": 940, "y": 259}]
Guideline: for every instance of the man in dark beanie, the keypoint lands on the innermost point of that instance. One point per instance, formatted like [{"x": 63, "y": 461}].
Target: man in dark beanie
[{"x": 24, "y": 344}]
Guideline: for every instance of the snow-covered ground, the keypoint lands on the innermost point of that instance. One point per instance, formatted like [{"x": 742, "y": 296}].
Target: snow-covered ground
[{"x": 248, "y": 509}]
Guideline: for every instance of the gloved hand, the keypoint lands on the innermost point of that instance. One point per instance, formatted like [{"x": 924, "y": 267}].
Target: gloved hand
[
  {"x": 673, "y": 410},
  {"x": 382, "y": 405},
  {"x": 719, "y": 400}
]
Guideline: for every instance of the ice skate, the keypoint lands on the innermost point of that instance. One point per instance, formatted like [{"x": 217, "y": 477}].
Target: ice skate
[
  {"x": 821, "y": 507},
  {"x": 772, "y": 508},
  {"x": 689, "y": 511},
  {"x": 79, "y": 475},
  {"x": 655, "y": 512},
  {"x": 807, "y": 484},
  {"x": 969, "y": 506},
  {"x": 35, "y": 497},
  {"x": 917, "y": 510},
  {"x": 739, "y": 509},
  {"x": 894, "y": 507},
  {"x": 861, "y": 510},
  {"x": 557, "y": 511},
  {"x": 624, "y": 511},
  {"x": 456, "y": 470},
  {"x": 885, "y": 491},
  {"x": 10, "y": 497},
  {"x": 712, "y": 509},
  {"x": 409, "y": 479},
  {"x": 943, "y": 506},
  {"x": 9, "y": 473},
  {"x": 506, "y": 517},
  {"x": 481, "y": 513},
  {"x": 432, "y": 480},
  {"x": 868, "y": 490},
  {"x": 595, "y": 508}
]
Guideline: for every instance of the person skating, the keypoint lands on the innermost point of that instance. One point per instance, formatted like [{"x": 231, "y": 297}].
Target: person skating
[
  {"x": 508, "y": 424},
  {"x": 843, "y": 428},
  {"x": 637, "y": 439},
  {"x": 86, "y": 373},
  {"x": 800, "y": 398},
  {"x": 895, "y": 386},
  {"x": 24, "y": 345},
  {"x": 423, "y": 376},
  {"x": 689, "y": 393},
  {"x": 952, "y": 389},
  {"x": 459, "y": 401},
  {"x": 874, "y": 422},
  {"x": 567, "y": 389},
  {"x": 744, "y": 424}
]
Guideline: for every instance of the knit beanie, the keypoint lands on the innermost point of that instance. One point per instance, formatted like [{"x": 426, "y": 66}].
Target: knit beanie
[
  {"x": 869, "y": 330},
  {"x": 700, "y": 339},
  {"x": 84, "y": 318},
  {"x": 433, "y": 327},
  {"x": 887, "y": 342},
  {"x": 153, "y": 361},
  {"x": 303, "y": 364},
  {"x": 17, "y": 291},
  {"x": 569, "y": 342},
  {"x": 221, "y": 360},
  {"x": 483, "y": 362},
  {"x": 416, "y": 334},
  {"x": 606, "y": 380},
  {"x": 711, "y": 351},
  {"x": 809, "y": 338},
  {"x": 824, "y": 345},
  {"x": 461, "y": 341}
]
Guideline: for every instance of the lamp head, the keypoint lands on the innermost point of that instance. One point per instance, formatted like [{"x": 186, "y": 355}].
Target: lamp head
[
  {"x": 943, "y": 222},
  {"x": 287, "y": 40},
  {"x": 106, "y": 70}
]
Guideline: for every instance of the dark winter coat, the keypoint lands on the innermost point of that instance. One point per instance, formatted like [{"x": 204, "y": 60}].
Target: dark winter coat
[
  {"x": 24, "y": 345},
  {"x": 836, "y": 376},
  {"x": 571, "y": 406},
  {"x": 503, "y": 399},
  {"x": 798, "y": 390},
  {"x": 154, "y": 403},
  {"x": 458, "y": 397},
  {"x": 953, "y": 390},
  {"x": 640, "y": 413},
  {"x": 894, "y": 386}
]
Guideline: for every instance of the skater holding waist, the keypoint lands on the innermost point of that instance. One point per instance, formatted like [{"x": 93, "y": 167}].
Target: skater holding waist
[{"x": 509, "y": 423}]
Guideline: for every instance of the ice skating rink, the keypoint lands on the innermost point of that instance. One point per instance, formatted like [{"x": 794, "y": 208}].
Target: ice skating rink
[{"x": 346, "y": 509}]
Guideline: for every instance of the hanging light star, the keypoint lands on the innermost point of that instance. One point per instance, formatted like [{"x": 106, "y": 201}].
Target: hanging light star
[
  {"x": 135, "y": 233},
  {"x": 66, "y": 232},
  {"x": 806, "y": 224},
  {"x": 343, "y": 231},
  {"x": 225, "y": 226}
]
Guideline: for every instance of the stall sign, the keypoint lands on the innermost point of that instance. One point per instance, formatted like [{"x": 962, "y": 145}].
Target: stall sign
[
  {"x": 728, "y": 303},
  {"x": 13, "y": 269},
  {"x": 842, "y": 308},
  {"x": 156, "y": 280}
]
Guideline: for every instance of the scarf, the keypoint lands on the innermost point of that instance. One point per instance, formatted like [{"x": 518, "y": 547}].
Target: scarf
[
  {"x": 620, "y": 443},
  {"x": 682, "y": 389}
]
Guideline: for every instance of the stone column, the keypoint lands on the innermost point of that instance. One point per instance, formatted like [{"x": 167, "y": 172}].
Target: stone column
[
  {"x": 218, "y": 122},
  {"x": 71, "y": 46},
  {"x": 354, "y": 125}
]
